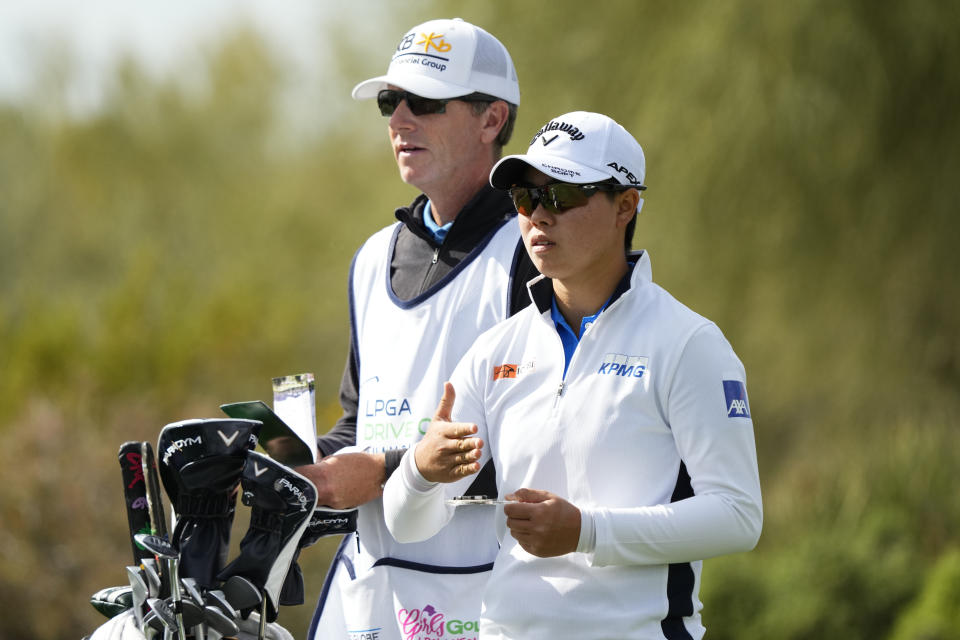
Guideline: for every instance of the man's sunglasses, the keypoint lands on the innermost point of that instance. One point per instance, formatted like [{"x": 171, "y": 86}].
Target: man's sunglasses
[
  {"x": 558, "y": 197},
  {"x": 389, "y": 99}
]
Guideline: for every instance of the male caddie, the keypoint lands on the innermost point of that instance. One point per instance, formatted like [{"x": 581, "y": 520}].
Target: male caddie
[{"x": 421, "y": 290}]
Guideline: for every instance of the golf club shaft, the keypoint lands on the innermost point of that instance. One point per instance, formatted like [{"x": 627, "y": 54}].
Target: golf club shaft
[
  {"x": 263, "y": 616},
  {"x": 175, "y": 595}
]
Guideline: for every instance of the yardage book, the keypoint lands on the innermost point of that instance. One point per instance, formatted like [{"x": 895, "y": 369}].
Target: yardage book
[{"x": 281, "y": 441}]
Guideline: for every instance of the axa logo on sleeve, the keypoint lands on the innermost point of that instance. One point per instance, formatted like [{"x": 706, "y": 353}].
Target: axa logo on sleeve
[
  {"x": 618, "y": 364},
  {"x": 736, "y": 395}
]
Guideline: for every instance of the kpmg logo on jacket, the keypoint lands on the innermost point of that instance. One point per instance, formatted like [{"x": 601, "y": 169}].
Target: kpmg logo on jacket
[
  {"x": 736, "y": 395},
  {"x": 618, "y": 364}
]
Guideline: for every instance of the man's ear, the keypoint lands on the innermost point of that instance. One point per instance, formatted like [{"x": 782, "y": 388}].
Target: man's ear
[{"x": 494, "y": 119}]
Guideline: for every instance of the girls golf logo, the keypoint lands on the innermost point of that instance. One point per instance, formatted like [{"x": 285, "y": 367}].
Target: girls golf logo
[{"x": 429, "y": 624}]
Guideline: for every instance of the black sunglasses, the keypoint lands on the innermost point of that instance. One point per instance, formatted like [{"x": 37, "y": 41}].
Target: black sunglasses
[
  {"x": 389, "y": 99},
  {"x": 558, "y": 197}
]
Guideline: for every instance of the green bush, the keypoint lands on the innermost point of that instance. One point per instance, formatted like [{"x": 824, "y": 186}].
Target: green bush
[{"x": 934, "y": 615}]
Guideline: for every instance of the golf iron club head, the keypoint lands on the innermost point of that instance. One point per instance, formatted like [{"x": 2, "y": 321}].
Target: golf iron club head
[
  {"x": 163, "y": 613},
  {"x": 218, "y": 621},
  {"x": 216, "y": 598},
  {"x": 139, "y": 592},
  {"x": 149, "y": 566},
  {"x": 190, "y": 586},
  {"x": 158, "y": 546},
  {"x": 243, "y": 595}
]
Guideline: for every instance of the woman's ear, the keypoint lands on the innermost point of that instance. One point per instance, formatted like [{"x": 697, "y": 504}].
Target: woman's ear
[{"x": 627, "y": 206}]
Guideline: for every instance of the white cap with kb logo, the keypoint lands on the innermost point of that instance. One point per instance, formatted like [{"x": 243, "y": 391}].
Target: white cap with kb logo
[
  {"x": 578, "y": 147},
  {"x": 447, "y": 59}
]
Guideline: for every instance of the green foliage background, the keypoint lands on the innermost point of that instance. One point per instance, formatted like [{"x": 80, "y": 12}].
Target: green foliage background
[{"x": 184, "y": 243}]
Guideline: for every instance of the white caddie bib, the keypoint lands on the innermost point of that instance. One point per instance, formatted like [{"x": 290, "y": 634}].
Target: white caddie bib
[{"x": 406, "y": 351}]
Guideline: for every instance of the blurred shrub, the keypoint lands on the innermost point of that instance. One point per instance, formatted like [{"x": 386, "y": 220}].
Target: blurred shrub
[
  {"x": 935, "y": 614},
  {"x": 849, "y": 524}
]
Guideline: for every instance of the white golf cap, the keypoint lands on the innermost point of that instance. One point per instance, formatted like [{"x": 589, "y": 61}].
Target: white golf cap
[
  {"x": 578, "y": 147},
  {"x": 447, "y": 59}
]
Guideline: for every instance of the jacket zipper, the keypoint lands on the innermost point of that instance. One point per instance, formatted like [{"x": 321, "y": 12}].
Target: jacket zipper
[{"x": 426, "y": 275}]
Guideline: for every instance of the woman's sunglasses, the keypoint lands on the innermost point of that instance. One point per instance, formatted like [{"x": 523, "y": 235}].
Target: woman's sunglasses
[
  {"x": 560, "y": 196},
  {"x": 389, "y": 99}
]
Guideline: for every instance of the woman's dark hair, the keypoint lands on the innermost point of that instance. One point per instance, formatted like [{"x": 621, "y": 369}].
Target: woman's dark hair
[{"x": 628, "y": 235}]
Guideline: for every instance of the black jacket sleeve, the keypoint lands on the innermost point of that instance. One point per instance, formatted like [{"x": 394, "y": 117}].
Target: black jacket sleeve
[{"x": 344, "y": 432}]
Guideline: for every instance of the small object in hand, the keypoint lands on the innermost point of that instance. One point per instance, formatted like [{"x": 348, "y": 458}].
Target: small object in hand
[{"x": 465, "y": 500}]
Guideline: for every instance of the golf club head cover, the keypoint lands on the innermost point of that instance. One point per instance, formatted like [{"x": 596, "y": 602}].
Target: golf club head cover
[
  {"x": 324, "y": 522},
  {"x": 200, "y": 466},
  {"x": 112, "y": 601},
  {"x": 281, "y": 503},
  {"x": 328, "y": 522}
]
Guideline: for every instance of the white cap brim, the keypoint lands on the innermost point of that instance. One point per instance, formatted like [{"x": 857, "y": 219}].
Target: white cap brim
[
  {"x": 508, "y": 170},
  {"x": 418, "y": 84}
]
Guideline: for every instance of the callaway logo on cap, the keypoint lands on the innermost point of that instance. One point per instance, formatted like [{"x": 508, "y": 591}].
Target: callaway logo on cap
[
  {"x": 580, "y": 147},
  {"x": 447, "y": 59}
]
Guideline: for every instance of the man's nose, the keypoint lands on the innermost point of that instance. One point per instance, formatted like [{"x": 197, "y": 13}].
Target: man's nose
[{"x": 402, "y": 117}]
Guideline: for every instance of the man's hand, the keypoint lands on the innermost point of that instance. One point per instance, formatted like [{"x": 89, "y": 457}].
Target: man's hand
[
  {"x": 347, "y": 480},
  {"x": 545, "y": 525},
  {"x": 445, "y": 454}
]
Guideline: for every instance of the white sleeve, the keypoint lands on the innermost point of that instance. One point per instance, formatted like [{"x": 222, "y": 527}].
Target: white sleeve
[
  {"x": 716, "y": 444},
  {"x": 414, "y": 508}
]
